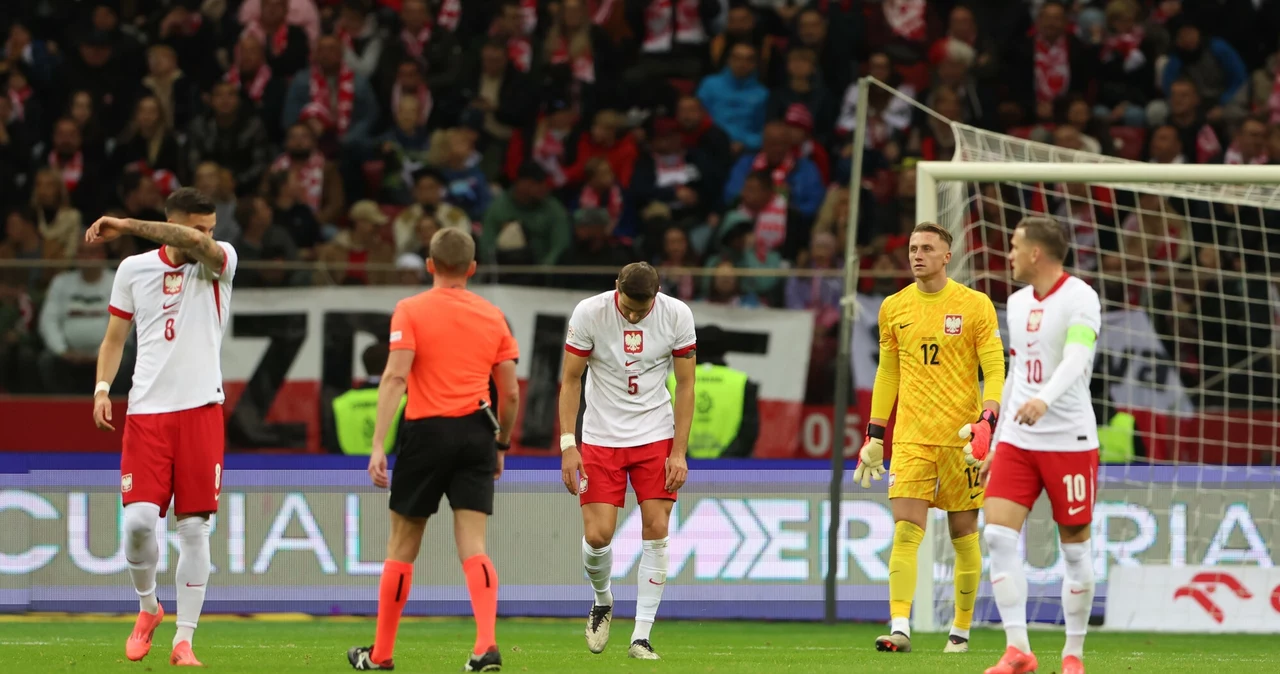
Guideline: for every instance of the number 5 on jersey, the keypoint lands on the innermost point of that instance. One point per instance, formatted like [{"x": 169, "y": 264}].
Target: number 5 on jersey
[{"x": 633, "y": 385}]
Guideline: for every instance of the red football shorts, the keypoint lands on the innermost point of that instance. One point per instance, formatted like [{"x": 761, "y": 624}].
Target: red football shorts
[
  {"x": 174, "y": 455},
  {"x": 608, "y": 468},
  {"x": 1069, "y": 478}
]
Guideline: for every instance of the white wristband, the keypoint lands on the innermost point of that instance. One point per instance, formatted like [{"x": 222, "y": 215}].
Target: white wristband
[
  {"x": 567, "y": 441},
  {"x": 102, "y": 387}
]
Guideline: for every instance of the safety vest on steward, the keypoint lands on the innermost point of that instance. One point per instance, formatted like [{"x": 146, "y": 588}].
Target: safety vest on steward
[
  {"x": 354, "y": 415},
  {"x": 717, "y": 410},
  {"x": 1115, "y": 440}
]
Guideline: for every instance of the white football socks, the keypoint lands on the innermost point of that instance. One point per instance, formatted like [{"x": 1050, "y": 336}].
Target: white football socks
[
  {"x": 651, "y": 579},
  {"x": 192, "y": 575},
  {"x": 1008, "y": 584},
  {"x": 1077, "y": 595},
  {"x": 142, "y": 551},
  {"x": 599, "y": 565}
]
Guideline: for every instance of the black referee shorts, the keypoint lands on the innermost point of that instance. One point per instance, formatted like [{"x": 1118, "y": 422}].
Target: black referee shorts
[{"x": 444, "y": 456}]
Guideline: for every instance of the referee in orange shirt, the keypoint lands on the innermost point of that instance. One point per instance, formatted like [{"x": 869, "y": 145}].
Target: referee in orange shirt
[{"x": 445, "y": 345}]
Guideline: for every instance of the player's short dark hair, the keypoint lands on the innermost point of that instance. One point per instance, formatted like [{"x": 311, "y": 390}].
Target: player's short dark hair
[
  {"x": 638, "y": 281},
  {"x": 189, "y": 201},
  {"x": 934, "y": 228},
  {"x": 452, "y": 251},
  {"x": 1048, "y": 234}
]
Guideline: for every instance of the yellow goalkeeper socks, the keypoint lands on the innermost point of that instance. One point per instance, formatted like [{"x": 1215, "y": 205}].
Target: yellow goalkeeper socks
[
  {"x": 968, "y": 576},
  {"x": 902, "y": 570}
]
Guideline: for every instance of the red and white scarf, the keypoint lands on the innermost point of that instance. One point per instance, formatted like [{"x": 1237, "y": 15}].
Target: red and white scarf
[
  {"x": 258, "y": 87},
  {"x": 449, "y": 15},
  {"x": 1126, "y": 47},
  {"x": 279, "y": 39},
  {"x": 425, "y": 101},
  {"x": 590, "y": 198},
  {"x": 1053, "y": 69},
  {"x": 659, "y": 31},
  {"x": 1235, "y": 157},
  {"x": 528, "y": 16},
  {"x": 165, "y": 180},
  {"x": 1207, "y": 144},
  {"x": 673, "y": 171},
  {"x": 322, "y": 107},
  {"x": 72, "y": 171},
  {"x": 310, "y": 174},
  {"x": 771, "y": 222},
  {"x": 548, "y": 151},
  {"x": 584, "y": 67},
  {"x": 18, "y": 103},
  {"x": 779, "y": 173},
  {"x": 906, "y": 18},
  {"x": 416, "y": 43}
]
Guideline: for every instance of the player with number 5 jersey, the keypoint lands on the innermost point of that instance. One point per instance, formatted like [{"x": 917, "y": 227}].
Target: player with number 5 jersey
[
  {"x": 1047, "y": 440},
  {"x": 178, "y": 297},
  {"x": 632, "y": 337}
]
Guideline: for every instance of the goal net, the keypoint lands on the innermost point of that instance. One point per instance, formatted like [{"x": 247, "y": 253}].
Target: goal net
[{"x": 1184, "y": 258}]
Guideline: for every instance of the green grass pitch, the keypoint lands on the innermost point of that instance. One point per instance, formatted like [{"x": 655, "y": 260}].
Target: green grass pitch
[{"x": 288, "y": 644}]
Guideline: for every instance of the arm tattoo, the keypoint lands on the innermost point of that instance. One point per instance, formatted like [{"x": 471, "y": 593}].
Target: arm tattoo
[
  {"x": 200, "y": 246},
  {"x": 691, "y": 354}
]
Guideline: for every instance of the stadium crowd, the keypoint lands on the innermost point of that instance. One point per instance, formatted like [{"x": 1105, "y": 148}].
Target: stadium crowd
[{"x": 689, "y": 133}]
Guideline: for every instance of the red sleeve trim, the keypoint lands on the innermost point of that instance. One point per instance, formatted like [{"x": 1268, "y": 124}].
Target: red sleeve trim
[
  {"x": 581, "y": 353},
  {"x": 684, "y": 351},
  {"x": 226, "y": 260},
  {"x": 119, "y": 312}
]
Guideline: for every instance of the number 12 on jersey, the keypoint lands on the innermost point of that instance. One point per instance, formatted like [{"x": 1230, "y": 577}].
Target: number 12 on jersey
[{"x": 929, "y": 354}]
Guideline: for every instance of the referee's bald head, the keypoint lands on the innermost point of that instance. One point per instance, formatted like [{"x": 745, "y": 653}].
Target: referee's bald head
[{"x": 453, "y": 253}]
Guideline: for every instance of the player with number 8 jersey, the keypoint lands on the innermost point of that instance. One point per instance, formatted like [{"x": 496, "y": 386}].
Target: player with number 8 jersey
[
  {"x": 632, "y": 337},
  {"x": 178, "y": 298},
  {"x": 1047, "y": 440}
]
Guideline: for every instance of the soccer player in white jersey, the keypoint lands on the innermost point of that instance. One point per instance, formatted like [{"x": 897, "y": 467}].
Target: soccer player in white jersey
[
  {"x": 631, "y": 337},
  {"x": 179, "y": 299},
  {"x": 1047, "y": 439}
]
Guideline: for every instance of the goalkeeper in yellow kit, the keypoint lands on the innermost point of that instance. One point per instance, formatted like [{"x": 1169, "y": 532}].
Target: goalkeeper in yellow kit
[{"x": 934, "y": 335}]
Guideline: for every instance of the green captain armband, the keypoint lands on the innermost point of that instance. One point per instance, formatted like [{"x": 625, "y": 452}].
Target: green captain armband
[{"x": 1082, "y": 335}]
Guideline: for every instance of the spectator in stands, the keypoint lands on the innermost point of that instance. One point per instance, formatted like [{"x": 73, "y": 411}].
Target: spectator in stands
[
  {"x": 141, "y": 198},
  {"x": 580, "y": 57},
  {"x": 606, "y": 139},
  {"x": 513, "y": 27},
  {"x": 524, "y": 224},
  {"x": 411, "y": 270},
  {"x": 1202, "y": 140},
  {"x": 433, "y": 47},
  {"x": 594, "y": 246},
  {"x": 500, "y": 91},
  {"x": 429, "y": 188},
  {"x": 547, "y": 144},
  {"x": 836, "y": 56},
  {"x": 73, "y": 321},
  {"x": 362, "y": 244},
  {"x": 80, "y": 110},
  {"x": 1045, "y": 66},
  {"x": 357, "y": 28},
  {"x": 1213, "y": 66},
  {"x": 24, "y": 105},
  {"x": 888, "y": 117},
  {"x": 1249, "y": 145},
  {"x": 317, "y": 178},
  {"x": 334, "y": 101},
  {"x": 286, "y": 195},
  {"x": 1265, "y": 85},
  {"x": 963, "y": 27},
  {"x": 80, "y": 170},
  {"x": 741, "y": 27},
  {"x": 59, "y": 222},
  {"x": 215, "y": 182},
  {"x": 177, "y": 93},
  {"x": 194, "y": 40},
  {"x": 15, "y": 152},
  {"x": 1126, "y": 67},
  {"x": 819, "y": 294},
  {"x": 411, "y": 83},
  {"x": 727, "y": 288},
  {"x": 953, "y": 63},
  {"x": 777, "y": 225},
  {"x": 465, "y": 183},
  {"x": 17, "y": 349},
  {"x": 672, "y": 37},
  {"x": 739, "y": 248},
  {"x": 288, "y": 47},
  {"x": 602, "y": 191},
  {"x": 261, "y": 241},
  {"x": 231, "y": 136},
  {"x": 95, "y": 67},
  {"x": 677, "y": 254},
  {"x": 796, "y": 181},
  {"x": 1165, "y": 146},
  {"x": 23, "y": 50},
  {"x": 736, "y": 100},
  {"x": 699, "y": 132},
  {"x": 803, "y": 88},
  {"x": 22, "y": 241},
  {"x": 403, "y": 148},
  {"x": 260, "y": 87},
  {"x": 800, "y": 135},
  {"x": 905, "y": 28},
  {"x": 669, "y": 173},
  {"x": 150, "y": 147}
]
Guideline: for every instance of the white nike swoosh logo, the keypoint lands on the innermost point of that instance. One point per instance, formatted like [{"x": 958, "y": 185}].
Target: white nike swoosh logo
[{"x": 1075, "y": 510}]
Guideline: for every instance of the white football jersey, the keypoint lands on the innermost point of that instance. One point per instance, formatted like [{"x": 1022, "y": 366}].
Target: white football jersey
[
  {"x": 180, "y": 313},
  {"x": 1037, "y": 336},
  {"x": 628, "y": 404}
]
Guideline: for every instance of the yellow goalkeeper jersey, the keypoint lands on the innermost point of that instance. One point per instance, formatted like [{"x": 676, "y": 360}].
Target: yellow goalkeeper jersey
[{"x": 931, "y": 348}]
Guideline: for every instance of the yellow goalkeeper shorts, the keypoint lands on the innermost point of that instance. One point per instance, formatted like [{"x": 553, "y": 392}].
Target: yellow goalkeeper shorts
[{"x": 935, "y": 474}]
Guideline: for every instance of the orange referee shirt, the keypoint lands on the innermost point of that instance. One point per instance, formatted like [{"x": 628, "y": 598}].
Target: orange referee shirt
[{"x": 457, "y": 338}]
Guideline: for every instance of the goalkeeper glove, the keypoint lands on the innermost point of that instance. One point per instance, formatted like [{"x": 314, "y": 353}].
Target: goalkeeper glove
[
  {"x": 870, "y": 457},
  {"x": 978, "y": 434}
]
